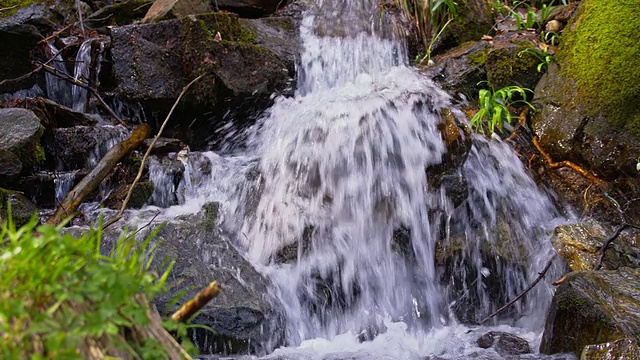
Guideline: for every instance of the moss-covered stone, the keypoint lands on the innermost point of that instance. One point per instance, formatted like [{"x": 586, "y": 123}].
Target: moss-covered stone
[
  {"x": 620, "y": 349},
  {"x": 12, "y": 6},
  {"x": 599, "y": 51},
  {"x": 474, "y": 20},
  {"x": 21, "y": 208},
  {"x": 593, "y": 307},
  {"x": 508, "y": 63}
]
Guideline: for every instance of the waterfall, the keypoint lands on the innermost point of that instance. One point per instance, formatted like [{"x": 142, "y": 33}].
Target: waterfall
[
  {"x": 330, "y": 177},
  {"x": 82, "y": 72}
]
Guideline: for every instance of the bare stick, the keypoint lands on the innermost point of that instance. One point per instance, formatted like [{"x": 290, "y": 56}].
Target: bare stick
[
  {"x": 84, "y": 33},
  {"x": 146, "y": 154},
  {"x": 198, "y": 302},
  {"x": 79, "y": 193},
  {"x": 55, "y": 34},
  {"x": 533, "y": 284}
]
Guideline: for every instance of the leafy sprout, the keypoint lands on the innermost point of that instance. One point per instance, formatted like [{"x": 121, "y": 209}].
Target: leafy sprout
[{"x": 494, "y": 108}]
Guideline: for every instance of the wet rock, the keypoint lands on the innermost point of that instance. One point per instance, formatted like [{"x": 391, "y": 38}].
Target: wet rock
[
  {"x": 41, "y": 186},
  {"x": 163, "y": 146},
  {"x": 139, "y": 197},
  {"x": 21, "y": 208},
  {"x": 80, "y": 146},
  {"x": 587, "y": 104},
  {"x": 474, "y": 20},
  {"x": 10, "y": 167},
  {"x": 119, "y": 13},
  {"x": 251, "y": 8},
  {"x": 20, "y": 134},
  {"x": 53, "y": 115},
  {"x": 278, "y": 34},
  {"x": 593, "y": 307},
  {"x": 172, "y": 9},
  {"x": 620, "y": 349},
  {"x": 240, "y": 315},
  {"x": 504, "y": 343},
  {"x": 512, "y": 62},
  {"x": 580, "y": 245},
  {"x": 460, "y": 70}
]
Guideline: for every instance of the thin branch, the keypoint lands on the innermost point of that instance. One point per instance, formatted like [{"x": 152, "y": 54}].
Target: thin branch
[
  {"x": 198, "y": 302},
  {"x": 611, "y": 238},
  {"x": 55, "y": 34},
  {"x": 38, "y": 68},
  {"x": 82, "y": 84},
  {"x": 84, "y": 33},
  {"x": 555, "y": 165},
  {"x": 146, "y": 154},
  {"x": 531, "y": 286}
]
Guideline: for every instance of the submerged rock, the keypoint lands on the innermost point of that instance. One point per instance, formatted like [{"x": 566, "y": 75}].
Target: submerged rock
[
  {"x": 504, "y": 343},
  {"x": 593, "y": 307}
]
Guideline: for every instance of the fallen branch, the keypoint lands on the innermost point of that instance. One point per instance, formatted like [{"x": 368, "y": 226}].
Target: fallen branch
[
  {"x": 38, "y": 68},
  {"x": 198, "y": 302},
  {"x": 531, "y": 286},
  {"x": 146, "y": 154},
  {"x": 90, "y": 182},
  {"x": 569, "y": 164},
  {"x": 611, "y": 238},
  {"x": 55, "y": 34}
]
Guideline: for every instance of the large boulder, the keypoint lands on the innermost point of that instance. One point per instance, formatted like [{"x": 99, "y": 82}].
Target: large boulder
[
  {"x": 20, "y": 135},
  {"x": 580, "y": 246},
  {"x": 620, "y": 349},
  {"x": 587, "y": 102},
  {"x": 593, "y": 307},
  {"x": 474, "y": 20},
  {"x": 242, "y": 316}
]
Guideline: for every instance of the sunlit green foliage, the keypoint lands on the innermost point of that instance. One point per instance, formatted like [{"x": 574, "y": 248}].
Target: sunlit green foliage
[
  {"x": 59, "y": 293},
  {"x": 494, "y": 108}
]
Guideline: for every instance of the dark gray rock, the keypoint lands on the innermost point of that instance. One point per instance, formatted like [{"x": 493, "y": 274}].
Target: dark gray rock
[
  {"x": 278, "y": 34},
  {"x": 20, "y": 134},
  {"x": 241, "y": 314},
  {"x": 119, "y": 13},
  {"x": 10, "y": 167},
  {"x": 593, "y": 307},
  {"x": 504, "y": 343},
  {"x": 53, "y": 115},
  {"x": 21, "y": 208}
]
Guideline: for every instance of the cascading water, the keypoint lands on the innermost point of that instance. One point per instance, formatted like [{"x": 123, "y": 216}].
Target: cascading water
[
  {"x": 82, "y": 72},
  {"x": 335, "y": 172}
]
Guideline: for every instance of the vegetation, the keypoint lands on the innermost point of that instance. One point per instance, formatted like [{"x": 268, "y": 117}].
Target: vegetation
[
  {"x": 431, "y": 18},
  {"x": 62, "y": 298},
  {"x": 543, "y": 55},
  {"x": 494, "y": 108}
]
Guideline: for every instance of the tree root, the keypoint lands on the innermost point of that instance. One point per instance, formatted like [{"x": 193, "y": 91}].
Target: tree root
[{"x": 569, "y": 164}]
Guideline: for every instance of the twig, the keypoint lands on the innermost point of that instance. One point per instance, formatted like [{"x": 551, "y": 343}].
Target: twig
[
  {"x": 38, "y": 68},
  {"x": 84, "y": 33},
  {"x": 82, "y": 84},
  {"x": 146, "y": 154},
  {"x": 531, "y": 286},
  {"x": 147, "y": 224},
  {"x": 55, "y": 34},
  {"x": 555, "y": 165},
  {"x": 8, "y": 8},
  {"x": 198, "y": 302}
]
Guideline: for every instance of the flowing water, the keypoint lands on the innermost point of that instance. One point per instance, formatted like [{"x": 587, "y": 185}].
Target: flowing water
[{"x": 337, "y": 175}]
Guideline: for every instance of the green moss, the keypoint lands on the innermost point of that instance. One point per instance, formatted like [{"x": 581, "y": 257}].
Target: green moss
[
  {"x": 140, "y": 194},
  {"x": 21, "y": 208},
  {"x": 479, "y": 58},
  {"x": 227, "y": 25},
  {"x": 32, "y": 154},
  {"x": 599, "y": 52},
  {"x": 505, "y": 68},
  {"x": 211, "y": 210},
  {"x": 13, "y": 6}
]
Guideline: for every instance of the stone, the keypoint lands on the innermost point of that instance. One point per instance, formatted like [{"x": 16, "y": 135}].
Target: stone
[
  {"x": 587, "y": 102},
  {"x": 163, "y": 146},
  {"x": 171, "y": 9},
  {"x": 504, "y": 343},
  {"x": 619, "y": 349},
  {"x": 278, "y": 34},
  {"x": 119, "y": 13},
  {"x": 10, "y": 167},
  {"x": 579, "y": 244},
  {"x": 241, "y": 315},
  {"x": 509, "y": 62},
  {"x": 474, "y": 20},
  {"x": 139, "y": 197},
  {"x": 53, "y": 115},
  {"x": 20, "y": 134},
  {"x": 22, "y": 210},
  {"x": 592, "y": 307}
]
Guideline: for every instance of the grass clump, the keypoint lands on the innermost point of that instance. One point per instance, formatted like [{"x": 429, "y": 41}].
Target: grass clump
[
  {"x": 62, "y": 297},
  {"x": 494, "y": 108}
]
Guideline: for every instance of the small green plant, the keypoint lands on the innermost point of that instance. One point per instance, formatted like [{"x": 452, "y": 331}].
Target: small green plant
[
  {"x": 550, "y": 38},
  {"x": 494, "y": 108},
  {"x": 543, "y": 55},
  {"x": 60, "y": 295}
]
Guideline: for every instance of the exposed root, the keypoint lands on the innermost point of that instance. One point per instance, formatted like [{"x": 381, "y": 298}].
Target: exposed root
[{"x": 569, "y": 164}]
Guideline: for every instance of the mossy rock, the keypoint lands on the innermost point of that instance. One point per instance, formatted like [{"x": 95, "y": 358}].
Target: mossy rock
[
  {"x": 587, "y": 100},
  {"x": 599, "y": 51},
  {"x": 474, "y": 20},
  {"x": 510, "y": 63},
  {"x": 593, "y": 307},
  {"x": 139, "y": 196},
  {"x": 620, "y": 349},
  {"x": 10, "y": 7},
  {"x": 21, "y": 208},
  {"x": 20, "y": 134}
]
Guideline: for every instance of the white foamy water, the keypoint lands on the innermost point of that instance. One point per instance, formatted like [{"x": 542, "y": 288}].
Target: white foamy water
[{"x": 333, "y": 173}]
